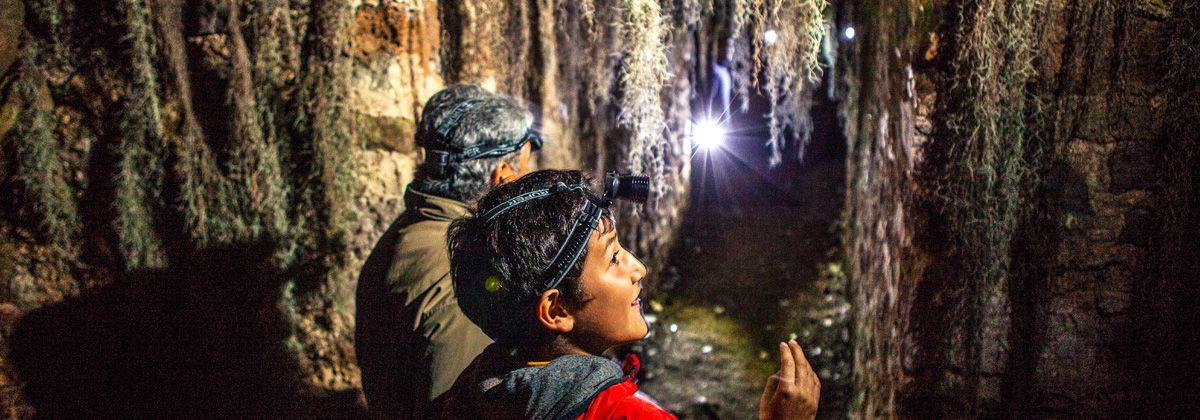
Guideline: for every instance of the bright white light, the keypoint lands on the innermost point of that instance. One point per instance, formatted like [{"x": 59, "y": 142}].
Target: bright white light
[
  {"x": 770, "y": 36},
  {"x": 849, "y": 32},
  {"x": 707, "y": 134}
]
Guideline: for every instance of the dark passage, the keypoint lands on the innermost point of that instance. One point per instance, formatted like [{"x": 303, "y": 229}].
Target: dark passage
[{"x": 757, "y": 263}]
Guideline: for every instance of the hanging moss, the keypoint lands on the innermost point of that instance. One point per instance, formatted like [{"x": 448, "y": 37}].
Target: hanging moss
[
  {"x": 642, "y": 80},
  {"x": 46, "y": 22},
  {"x": 983, "y": 161},
  {"x": 783, "y": 69},
  {"x": 198, "y": 188},
  {"x": 139, "y": 179},
  {"x": 253, "y": 167},
  {"x": 270, "y": 64},
  {"x": 324, "y": 213},
  {"x": 206, "y": 197},
  {"x": 743, "y": 64},
  {"x": 42, "y": 171},
  {"x": 987, "y": 171},
  {"x": 792, "y": 68}
]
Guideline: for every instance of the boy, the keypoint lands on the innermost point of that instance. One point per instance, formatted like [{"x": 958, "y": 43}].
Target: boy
[{"x": 539, "y": 269}]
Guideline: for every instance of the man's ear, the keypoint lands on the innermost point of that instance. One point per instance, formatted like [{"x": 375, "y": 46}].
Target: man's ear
[
  {"x": 552, "y": 312},
  {"x": 503, "y": 172}
]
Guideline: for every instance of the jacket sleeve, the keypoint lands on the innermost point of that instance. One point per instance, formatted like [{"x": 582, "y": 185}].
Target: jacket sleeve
[
  {"x": 621, "y": 402},
  {"x": 633, "y": 407}
]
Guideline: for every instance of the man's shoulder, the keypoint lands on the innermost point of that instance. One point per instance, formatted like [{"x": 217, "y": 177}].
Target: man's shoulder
[
  {"x": 423, "y": 234},
  {"x": 423, "y": 240},
  {"x": 420, "y": 248}
]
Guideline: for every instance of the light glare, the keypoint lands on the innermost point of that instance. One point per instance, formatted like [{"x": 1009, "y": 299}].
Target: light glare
[
  {"x": 770, "y": 36},
  {"x": 707, "y": 134},
  {"x": 849, "y": 32}
]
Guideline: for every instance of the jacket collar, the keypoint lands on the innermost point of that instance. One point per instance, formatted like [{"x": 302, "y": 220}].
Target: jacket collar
[
  {"x": 432, "y": 207},
  {"x": 561, "y": 389}
]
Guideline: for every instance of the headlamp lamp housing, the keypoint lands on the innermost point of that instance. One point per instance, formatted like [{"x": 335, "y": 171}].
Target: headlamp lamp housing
[{"x": 634, "y": 188}]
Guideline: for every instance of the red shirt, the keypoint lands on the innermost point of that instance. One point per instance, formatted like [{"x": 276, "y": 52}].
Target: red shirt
[{"x": 621, "y": 401}]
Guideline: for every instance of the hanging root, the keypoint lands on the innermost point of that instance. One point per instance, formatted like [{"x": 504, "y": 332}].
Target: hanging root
[
  {"x": 270, "y": 65},
  {"x": 253, "y": 167},
  {"x": 140, "y": 172},
  {"x": 784, "y": 67}
]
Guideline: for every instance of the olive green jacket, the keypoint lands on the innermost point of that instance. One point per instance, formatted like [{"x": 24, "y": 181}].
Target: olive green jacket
[{"x": 411, "y": 338}]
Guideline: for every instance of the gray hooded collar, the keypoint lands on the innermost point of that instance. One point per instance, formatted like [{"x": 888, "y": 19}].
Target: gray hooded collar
[{"x": 561, "y": 389}]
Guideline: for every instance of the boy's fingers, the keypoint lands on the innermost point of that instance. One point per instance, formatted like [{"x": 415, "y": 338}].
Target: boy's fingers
[
  {"x": 769, "y": 390},
  {"x": 787, "y": 363},
  {"x": 802, "y": 368}
]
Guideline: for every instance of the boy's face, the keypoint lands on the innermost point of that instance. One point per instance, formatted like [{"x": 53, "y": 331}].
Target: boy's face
[{"x": 611, "y": 314}]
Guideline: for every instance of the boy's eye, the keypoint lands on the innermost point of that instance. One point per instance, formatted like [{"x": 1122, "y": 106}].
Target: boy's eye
[{"x": 614, "y": 258}]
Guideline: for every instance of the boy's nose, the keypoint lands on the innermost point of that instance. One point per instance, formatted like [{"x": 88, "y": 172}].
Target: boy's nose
[{"x": 639, "y": 268}]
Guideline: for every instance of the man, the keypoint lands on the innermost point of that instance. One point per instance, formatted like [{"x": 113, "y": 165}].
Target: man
[{"x": 411, "y": 338}]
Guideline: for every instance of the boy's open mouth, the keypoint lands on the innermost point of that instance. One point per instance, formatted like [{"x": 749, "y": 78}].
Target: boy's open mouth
[{"x": 636, "y": 302}]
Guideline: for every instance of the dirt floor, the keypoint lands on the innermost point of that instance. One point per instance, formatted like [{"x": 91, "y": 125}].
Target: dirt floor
[{"x": 757, "y": 263}]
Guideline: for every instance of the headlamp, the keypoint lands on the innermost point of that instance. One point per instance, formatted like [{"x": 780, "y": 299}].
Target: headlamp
[{"x": 629, "y": 187}]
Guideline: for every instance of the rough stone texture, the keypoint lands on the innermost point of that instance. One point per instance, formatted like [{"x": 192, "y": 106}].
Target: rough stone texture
[
  {"x": 12, "y": 12},
  {"x": 401, "y": 52},
  {"x": 395, "y": 46},
  {"x": 395, "y": 67},
  {"x": 1084, "y": 326},
  {"x": 879, "y": 125},
  {"x": 384, "y": 175},
  {"x": 1085, "y": 310}
]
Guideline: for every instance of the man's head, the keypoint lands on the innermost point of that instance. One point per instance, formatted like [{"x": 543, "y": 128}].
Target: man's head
[
  {"x": 465, "y": 118},
  {"x": 499, "y": 270}
]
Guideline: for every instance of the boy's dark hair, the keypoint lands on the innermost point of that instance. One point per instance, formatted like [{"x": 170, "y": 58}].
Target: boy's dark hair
[
  {"x": 494, "y": 121},
  {"x": 497, "y": 266}
]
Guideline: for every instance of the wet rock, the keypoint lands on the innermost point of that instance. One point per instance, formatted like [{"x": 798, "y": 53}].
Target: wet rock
[
  {"x": 12, "y": 14},
  {"x": 395, "y": 67},
  {"x": 1133, "y": 165},
  {"x": 1139, "y": 228},
  {"x": 208, "y": 17}
]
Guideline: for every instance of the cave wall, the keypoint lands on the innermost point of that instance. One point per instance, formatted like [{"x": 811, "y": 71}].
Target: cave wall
[
  {"x": 1015, "y": 204},
  {"x": 150, "y": 146}
]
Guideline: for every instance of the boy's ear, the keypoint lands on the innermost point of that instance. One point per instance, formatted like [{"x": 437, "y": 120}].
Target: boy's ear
[
  {"x": 502, "y": 173},
  {"x": 552, "y": 312}
]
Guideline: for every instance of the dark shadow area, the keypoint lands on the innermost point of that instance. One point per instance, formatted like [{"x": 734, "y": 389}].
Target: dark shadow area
[{"x": 205, "y": 338}]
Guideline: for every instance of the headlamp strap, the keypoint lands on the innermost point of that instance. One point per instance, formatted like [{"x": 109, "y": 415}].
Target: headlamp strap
[
  {"x": 438, "y": 160},
  {"x": 529, "y": 196},
  {"x": 456, "y": 114},
  {"x": 573, "y": 247},
  {"x": 593, "y": 208}
]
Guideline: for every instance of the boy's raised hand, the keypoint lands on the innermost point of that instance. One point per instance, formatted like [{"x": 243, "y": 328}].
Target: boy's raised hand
[{"x": 793, "y": 392}]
